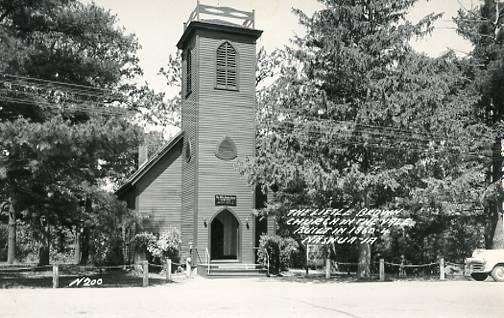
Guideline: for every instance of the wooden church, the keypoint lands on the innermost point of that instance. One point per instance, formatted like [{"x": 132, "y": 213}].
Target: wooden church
[{"x": 192, "y": 182}]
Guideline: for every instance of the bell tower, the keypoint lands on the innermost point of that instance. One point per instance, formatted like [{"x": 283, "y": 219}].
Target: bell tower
[{"x": 218, "y": 120}]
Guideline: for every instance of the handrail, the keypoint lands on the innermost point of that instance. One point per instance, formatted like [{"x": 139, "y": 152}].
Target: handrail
[
  {"x": 207, "y": 255},
  {"x": 268, "y": 259},
  {"x": 197, "y": 254},
  {"x": 247, "y": 18}
]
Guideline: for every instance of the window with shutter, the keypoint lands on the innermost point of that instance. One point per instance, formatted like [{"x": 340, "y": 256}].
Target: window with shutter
[
  {"x": 227, "y": 76},
  {"x": 188, "y": 72}
]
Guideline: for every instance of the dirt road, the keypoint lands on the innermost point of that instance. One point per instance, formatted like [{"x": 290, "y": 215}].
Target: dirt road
[{"x": 201, "y": 297}]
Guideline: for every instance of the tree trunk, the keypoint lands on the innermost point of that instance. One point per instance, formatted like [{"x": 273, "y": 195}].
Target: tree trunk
[
  {"x": 84, "y": 238},
  {"x": 490, "y": 224},
  {"x": 77, "y": 251},
  {"x": 494, "y": 237},
  {"x": 364, "y": 266},
  {"x": 11, "y": 249},
  {"x": 44, "y": 248},
  {"x": 498, "y": 236}
]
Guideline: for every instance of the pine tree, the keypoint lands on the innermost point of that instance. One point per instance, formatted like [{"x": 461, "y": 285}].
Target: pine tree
[
  {"x": 60, "y": 143},
  {"x": 357, "y": 119},
  {"x": 483, "y": 26}
]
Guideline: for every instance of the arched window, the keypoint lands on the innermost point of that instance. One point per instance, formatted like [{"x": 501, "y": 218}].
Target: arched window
[
  {"x": 188, "y": 72},
  {"x": 188, "y": 150},
  {"x": 226, "y": 66}
]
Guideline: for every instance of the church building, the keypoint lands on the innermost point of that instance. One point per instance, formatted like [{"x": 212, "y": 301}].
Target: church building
[{"x": 192, "y": 183}]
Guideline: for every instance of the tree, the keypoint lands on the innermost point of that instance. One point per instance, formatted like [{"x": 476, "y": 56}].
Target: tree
[
  {"x": 483, "y": 26},
  {"x": 357, "y": 119},
  {"x": 65, "y": 110}
]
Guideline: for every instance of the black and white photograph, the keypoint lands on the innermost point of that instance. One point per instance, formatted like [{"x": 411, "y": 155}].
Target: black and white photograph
[{"x": 240, "y": 158}]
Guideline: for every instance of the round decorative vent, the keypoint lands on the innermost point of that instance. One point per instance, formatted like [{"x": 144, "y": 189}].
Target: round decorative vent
[
  {"x": 188, "y": 152},
  {"x": 226, "y": 150}
]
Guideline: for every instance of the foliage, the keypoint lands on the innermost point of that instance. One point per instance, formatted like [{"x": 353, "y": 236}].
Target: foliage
[
  {"x": 104, "y": 228},
  {"x": 106, "y": 251},
  {"x": 158, "y": 247},
  {"x": 280, "y": 251},
  {"x": 357, "y": 119},
  {"x": 67, "y": 111},
  {"x": 483, "y": 24},
  {"x": 53, "y": 166},
  {"x": 453, "y": 238},
  {"x": 170, "y": 110},
  {"x": 167, "y": 245},
  {"x": 3, "y": 242},
  {"x": 143, "y": 240},
  {"x": 27, "y": 246}
]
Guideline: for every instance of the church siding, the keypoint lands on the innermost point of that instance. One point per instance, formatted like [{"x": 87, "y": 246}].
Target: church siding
[
  {"x": 226, "y": 113},
  {"x": 189, "y": 125},
  {"x": 181, "y": 192},
  {"x": 159, "y": 191}
]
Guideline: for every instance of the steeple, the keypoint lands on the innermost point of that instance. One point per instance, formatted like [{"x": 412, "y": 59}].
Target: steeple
[{"x": 218, "y": 119}]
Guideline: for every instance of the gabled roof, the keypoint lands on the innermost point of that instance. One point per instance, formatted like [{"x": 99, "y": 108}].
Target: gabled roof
[{"x": 145, "y": 168}]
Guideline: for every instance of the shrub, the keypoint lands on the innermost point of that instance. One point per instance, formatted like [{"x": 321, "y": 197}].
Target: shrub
[
  {"x": 26, "y": 244},
  {"x": 62, "y": 246},
  {"x": 167, "y": 245},
  {"x": 280, "y": 250},
  {"x": 143, "y": 240},
  {"x": 157, "y": 247},
  {"x": 107, "y": 251}
]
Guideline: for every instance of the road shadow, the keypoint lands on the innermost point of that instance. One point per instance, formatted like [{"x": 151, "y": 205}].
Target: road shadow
[
  {"x": 339, "y": 279},
  {"x": 25, "y": 278}
]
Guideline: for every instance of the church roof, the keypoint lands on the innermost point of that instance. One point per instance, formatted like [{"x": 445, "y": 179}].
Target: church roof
[{"x": 149, "y": 164}]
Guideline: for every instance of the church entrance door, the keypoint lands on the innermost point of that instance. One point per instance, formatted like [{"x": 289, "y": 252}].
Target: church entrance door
[{"x": 224, "y": 236}]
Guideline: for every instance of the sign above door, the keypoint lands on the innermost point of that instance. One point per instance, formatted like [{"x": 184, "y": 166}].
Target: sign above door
[{"x": 225, "y": 199}]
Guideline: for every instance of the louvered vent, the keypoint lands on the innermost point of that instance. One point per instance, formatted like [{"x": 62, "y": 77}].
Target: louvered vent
[
  {"x": 226, "y": 66},
  {"x": 188, "y": 72}
]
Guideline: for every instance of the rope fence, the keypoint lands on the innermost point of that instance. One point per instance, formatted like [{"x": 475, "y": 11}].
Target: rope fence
[
  {"x": 148, "y": 274},
  {"x": 71, "y": 275},
  {"x": 391, "y": 270}
]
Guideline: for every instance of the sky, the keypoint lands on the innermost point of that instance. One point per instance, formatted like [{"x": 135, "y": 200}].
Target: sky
[{"x": 158, "y": 24}]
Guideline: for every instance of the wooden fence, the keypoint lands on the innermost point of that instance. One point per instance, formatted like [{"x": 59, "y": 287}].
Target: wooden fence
[{"x": 69, "y": 275}]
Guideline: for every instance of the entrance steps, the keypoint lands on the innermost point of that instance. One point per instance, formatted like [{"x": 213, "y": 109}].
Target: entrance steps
[{"x": 220, "y": 269}]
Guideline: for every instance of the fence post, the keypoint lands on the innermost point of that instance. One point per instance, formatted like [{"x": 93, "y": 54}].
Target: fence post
[
  {"x": 307, "y": 259},
  {"x": 382, "y": 270},
  {"x": 168, "y": 269},
  {"x": 145, "y": 274},
  {"x": 328, "y": 268},
  {"x": 55, "y": 278},
  {"x": 188, "y": 267},
  {"x": 441, "y": 269}
]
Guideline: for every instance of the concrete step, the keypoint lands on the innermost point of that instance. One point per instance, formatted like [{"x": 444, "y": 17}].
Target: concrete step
[
  {"x": 237, "y": 273},
  {"x": 235, "y": 266},
  {"x": 232, "y": 270},
  {"x": 234, "y": 275}
]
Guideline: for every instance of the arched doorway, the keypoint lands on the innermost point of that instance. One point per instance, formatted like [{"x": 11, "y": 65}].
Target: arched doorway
[{"x": 224, "y": 236}]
